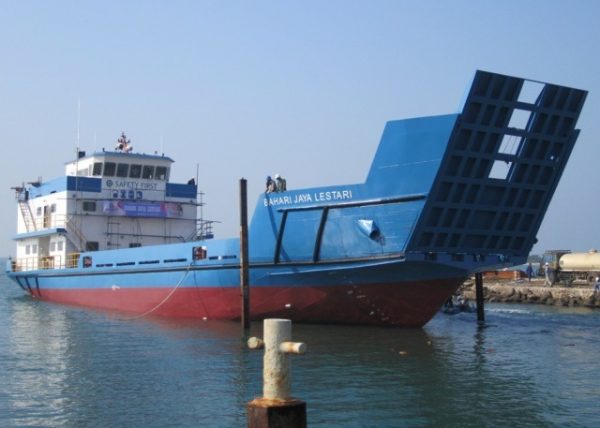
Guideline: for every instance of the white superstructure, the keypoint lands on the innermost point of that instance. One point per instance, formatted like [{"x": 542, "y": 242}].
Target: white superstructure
[{"x": 107, "y": 200}]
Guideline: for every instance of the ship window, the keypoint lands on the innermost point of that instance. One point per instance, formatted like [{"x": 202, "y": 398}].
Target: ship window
[
  {"x": 161, "y": 172},
  {"x": 135, "y": 171},
  {"x": 52, "y": 246},
  {"x": 199, "y": 253},
  {"x": 148, "y": 172},
  {"x": 97, "y": 169},
  {"x": 27, "y": 249},
  {"x": 122, "y": 169},
  {"x": 53, "y": 208},
  {"x": 92, "y": 246},
  {"x": 109, "y": 169},
  {"x": 38, "y": 211},
  {"x": 59, "y": 246},
  {"x": 89, "y": 206},
  {"x": 34, "y": 249},
  {"x": 134, "y": 245},
  {"x": 87, "y": 262}
]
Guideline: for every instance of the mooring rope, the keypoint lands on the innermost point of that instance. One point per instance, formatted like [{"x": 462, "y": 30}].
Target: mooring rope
[{"x": 187, "y": 271}]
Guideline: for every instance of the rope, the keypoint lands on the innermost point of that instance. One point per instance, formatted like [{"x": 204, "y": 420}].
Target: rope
[{"x": 187, "y": 271}]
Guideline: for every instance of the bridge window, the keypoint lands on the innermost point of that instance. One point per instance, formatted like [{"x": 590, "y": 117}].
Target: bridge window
[
  {"x": 148, "y": 172},
  {"x": 161, "y": 172},
  {"x": 135, "y": 171},
  {"x": 122, "y": 169},
  {"x": 109, "y": 169},
  {"x": 97, "y": 169}
]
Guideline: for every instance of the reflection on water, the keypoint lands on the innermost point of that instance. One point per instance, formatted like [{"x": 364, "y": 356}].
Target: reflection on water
[{"x": 63, "y": 366}]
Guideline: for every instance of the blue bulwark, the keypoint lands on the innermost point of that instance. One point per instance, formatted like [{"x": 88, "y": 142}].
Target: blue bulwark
[
  {"x": 175, "y": 190},
  {"x": 84, "y": 184}
]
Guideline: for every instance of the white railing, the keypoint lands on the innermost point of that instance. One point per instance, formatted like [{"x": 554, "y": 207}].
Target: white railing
[
  {"x": 51, "y": 221},
  {"x": 24, "y": 264}
]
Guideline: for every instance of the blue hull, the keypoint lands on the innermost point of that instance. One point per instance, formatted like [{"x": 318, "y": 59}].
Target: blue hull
[{"x": 445, "y": 197}]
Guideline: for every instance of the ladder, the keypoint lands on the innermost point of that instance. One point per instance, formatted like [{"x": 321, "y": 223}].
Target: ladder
[
  {"x": 27, "y": 215},
  {"x": 72, "y": 227}
]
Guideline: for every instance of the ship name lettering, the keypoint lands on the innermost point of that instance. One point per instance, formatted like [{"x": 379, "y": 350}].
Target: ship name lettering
[
  {"x": 277, "y": 200},
  {"x": 334, "y": 195},
  {"x": 331, "y": 195},
  {"x": 302, "y": 197}
]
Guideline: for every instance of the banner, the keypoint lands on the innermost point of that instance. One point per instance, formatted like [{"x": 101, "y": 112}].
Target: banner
[{"x": 143, "y": 209}]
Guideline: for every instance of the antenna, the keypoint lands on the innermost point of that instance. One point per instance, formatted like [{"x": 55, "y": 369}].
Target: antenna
[{"x": 78, "y": 120}]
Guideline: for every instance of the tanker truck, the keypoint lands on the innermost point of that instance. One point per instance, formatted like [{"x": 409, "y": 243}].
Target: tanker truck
[{"x": 566, "y": 267}]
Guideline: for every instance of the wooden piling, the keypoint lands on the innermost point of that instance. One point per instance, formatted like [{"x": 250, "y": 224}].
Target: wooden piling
[
  {"x": 244, "y": 268},
  {"x": 479, "y": 297}
]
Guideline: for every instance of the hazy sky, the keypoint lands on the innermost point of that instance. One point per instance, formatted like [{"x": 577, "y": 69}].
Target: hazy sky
[{"x": 302, "y": 88}]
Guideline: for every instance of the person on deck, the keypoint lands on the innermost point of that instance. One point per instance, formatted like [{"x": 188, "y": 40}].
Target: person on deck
[
  {"x": 271, "y": 185},
  {"x": 281, "y": 184}
]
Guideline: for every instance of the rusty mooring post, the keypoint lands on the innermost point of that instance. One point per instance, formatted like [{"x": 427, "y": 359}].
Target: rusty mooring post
[
  {"x": 244, "y": 269},
  {"x": 479, "y": 297},
  {"x": 276, "y": 408}
]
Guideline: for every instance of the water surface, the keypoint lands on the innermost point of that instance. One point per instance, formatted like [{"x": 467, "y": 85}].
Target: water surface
[{"x": 68, "y": 367}]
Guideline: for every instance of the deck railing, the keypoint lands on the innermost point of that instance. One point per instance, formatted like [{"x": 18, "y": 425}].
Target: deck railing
[
  {"x": 48, "y": 221},
  {"x": 24, "y": 264}
]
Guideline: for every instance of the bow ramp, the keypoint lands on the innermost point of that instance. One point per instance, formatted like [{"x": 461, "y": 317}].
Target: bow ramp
[
  {"x": 475, "y": 183},
  {"x": 504, "y": 159}
]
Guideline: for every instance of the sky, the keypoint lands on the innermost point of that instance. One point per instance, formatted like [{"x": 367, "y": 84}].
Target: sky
[{"x": 300, "y": 88}]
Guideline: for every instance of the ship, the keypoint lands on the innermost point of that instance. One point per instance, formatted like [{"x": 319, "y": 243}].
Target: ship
[{"x": 445, "y": 197}]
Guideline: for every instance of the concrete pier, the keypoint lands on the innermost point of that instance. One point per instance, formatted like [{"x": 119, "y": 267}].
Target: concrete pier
[
  {"x": 522, "y": 291},
  {"x": 277, "y": 408}
]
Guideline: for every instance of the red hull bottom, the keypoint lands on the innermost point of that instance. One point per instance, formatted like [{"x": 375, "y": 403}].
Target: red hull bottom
[{"x": 399, "y": 304}]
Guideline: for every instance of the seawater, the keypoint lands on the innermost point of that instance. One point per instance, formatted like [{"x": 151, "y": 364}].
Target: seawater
[{"x": 70, "y": 367}]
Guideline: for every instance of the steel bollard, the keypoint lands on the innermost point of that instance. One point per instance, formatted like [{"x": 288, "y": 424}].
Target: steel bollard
[{"x": 276, "y": 406}]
